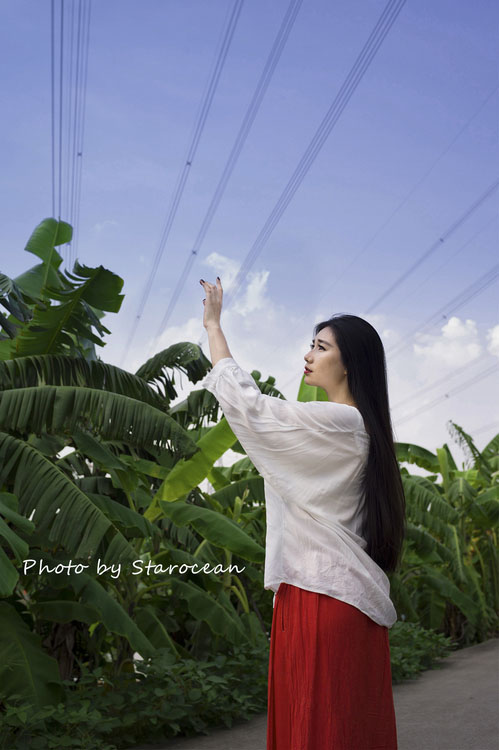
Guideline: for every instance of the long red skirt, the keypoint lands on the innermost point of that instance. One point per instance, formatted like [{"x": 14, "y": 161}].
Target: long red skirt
[{"x": 330, "y": 682}]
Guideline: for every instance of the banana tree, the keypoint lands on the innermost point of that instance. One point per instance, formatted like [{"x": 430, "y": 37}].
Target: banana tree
[
  {"x": 448, "y": 579},
  {"x": 83, "y": 447}
]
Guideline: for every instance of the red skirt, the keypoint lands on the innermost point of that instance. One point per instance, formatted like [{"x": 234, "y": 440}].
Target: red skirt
[{"x": 330, "y": 681}]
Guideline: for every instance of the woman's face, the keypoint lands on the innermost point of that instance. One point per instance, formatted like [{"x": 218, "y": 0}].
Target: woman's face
[{"x": 324, "y": 362}]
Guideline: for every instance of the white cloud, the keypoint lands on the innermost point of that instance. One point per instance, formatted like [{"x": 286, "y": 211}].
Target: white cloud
[
  {"x": 224, "y": 267},
  {"x": 456, "y": 345},
  {"x": 493, "y": 339}
]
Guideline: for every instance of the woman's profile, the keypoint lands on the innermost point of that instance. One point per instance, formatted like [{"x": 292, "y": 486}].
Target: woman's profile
[{"x": 335, "y": 526}]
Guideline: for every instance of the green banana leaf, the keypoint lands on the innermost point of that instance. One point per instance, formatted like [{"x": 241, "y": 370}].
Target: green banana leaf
[
  {"x": 58, "y": 369},
  {"x": 202, "y": 606},
  {"x": 111, "y": 613},
  {"x": 187, "y": 474},
  {"x": 25, "y": 668},
  {"x": 61, "y": 410},
  {"x": 56, "y": 500},
  {"x": 216, "y": 528}
]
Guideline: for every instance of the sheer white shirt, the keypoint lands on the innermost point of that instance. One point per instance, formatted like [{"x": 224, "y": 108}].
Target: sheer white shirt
[{"x": 311, "y": 456}]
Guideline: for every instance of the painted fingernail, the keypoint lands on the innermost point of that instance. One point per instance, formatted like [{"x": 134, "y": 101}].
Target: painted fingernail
[{"x": 218, "y": 277}]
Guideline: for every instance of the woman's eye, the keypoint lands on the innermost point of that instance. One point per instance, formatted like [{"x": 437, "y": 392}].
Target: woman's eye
[{"x": 320, "y": 347}]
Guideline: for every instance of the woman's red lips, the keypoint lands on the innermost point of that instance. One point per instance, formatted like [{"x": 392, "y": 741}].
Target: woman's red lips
[{"x": 307, "y": 370}]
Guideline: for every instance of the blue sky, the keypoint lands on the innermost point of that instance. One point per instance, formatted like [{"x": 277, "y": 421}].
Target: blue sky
[{"x": 415, "y": 147}]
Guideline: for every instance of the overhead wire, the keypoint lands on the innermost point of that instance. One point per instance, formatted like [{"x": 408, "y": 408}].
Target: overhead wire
[
  {"x": 471, "y": 291},
  {"x": 67, "y": 110},
  {"x": 367, "y": 54},
  {"x": 81, "y": 132},
  {"x": 207, "y": 100},
  {"x": 79, "y": 117},
  {"x": 340, "y": 274},
  {"x": 435, "y": 245},
  {"x": 406, "y": 198},
  {"x": 453, "y": 256},
  {"x": 485, "y": 428},
  {"x": 434, "y": 384},
  {"x": 52, "y": 99},
  {"x": 69, "y": 99},
  {"x": 74, "y": 121},
  {"x": 451, "y": 392},
  {"x": 247, "y": 122},
  {"x": 61, "y": 80}
]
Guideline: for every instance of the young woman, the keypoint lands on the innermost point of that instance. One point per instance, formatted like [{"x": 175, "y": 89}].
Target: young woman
[{"x": 335, "y": 526}]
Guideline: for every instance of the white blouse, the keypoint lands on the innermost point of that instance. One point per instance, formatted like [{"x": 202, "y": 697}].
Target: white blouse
[{"x": 311, "y": 456}]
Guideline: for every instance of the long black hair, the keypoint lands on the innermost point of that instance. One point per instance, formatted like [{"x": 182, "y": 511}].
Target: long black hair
[{"x": 363, "y": 356}]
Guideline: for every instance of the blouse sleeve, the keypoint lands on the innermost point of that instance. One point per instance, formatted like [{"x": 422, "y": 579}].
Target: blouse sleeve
[{"x": 282, "y": 438}]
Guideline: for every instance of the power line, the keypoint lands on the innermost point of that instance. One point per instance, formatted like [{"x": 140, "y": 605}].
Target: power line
[
  {"x": 81, "y": 131},
  {"x": 420, "y": 181},
  {"x": 52, "y": 99},
  {"x": 485, "y": 428},
  {"x": 71, "y": 194},
  {"x": 445, "y": 262},
  {"x": 452, "y": 392},
  {"x": 247, "y": 122},
  {"x": 61, "y": 78},
  {"x": 477, "y": 287},
  {"x": 81, "y": 70},
  {"x": 408, "y": 195},
  {"x": 67, "y": 189},
  {"x": 184, "y": 173},
  {"x": 367, "y": 54},
  {"x": 436, "y": 245},
  {"x": 67, "y": 126},
  {"x": 443, "y": 380}
]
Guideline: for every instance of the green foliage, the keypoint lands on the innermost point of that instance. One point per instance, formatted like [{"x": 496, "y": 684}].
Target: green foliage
[
  {"x": 160, "y": 699},
  {"x": 95, "y": 464},
  {"x": 63, "y": 307},
  {"x": 163, "y": 698},
  {"x": 414, "y": 649},
  {"x": 24, "y": 667},
  {"x": 448, "y": 579}
]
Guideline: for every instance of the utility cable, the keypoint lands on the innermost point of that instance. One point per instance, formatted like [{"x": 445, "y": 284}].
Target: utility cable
[
  {"x": 452, "y": 392},
  {"x": 69, "y": 97},
  {"x": 444, "y": 263},
  {"x": 474, "y": 289},
  {"x": 184, "y": 173},
  {"x": 435, "y": 245},
  {"x": 247, "y": 122},
  {"x": 81, "y": 134},
  {"x": 435, "y": 384},
  {"x": 74, "y": 123},
  {"x": 376, "y": 38},
  {"x": 52, "y": 98},
  {"x": 338, "y": 276},
  {"x": 61, "y": 80},
  {"x": 485, "y": 428}
]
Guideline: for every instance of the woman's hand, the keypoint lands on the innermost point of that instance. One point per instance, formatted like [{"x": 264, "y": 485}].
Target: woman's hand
[{"x": 212, "y": 303}]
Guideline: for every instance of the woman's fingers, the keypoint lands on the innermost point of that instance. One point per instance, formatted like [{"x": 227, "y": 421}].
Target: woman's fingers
[{"x": 211, "y": 287}]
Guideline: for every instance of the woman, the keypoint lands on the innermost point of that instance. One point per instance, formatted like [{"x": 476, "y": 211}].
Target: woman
[{"x": 335, "y": 526}]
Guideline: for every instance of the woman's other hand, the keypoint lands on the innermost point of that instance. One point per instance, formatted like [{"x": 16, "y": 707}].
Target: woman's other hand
[{"x": 212, "y": 303}]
